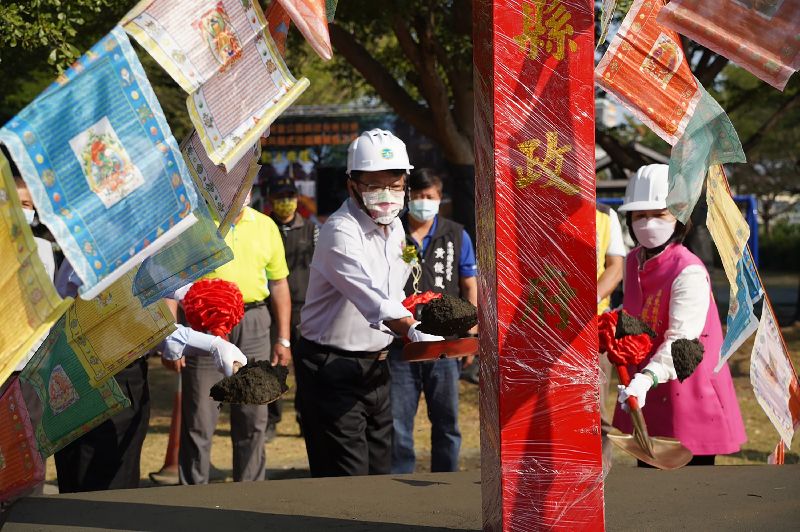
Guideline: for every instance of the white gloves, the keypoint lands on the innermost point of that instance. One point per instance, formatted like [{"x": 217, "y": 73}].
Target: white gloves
[
  {"x": 638, "y": 388},
  {"x": 225, "y": 354},
  {"x": 418, "y": 336}
]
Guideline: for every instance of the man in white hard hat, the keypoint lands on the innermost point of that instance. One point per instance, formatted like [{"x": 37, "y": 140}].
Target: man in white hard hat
[{"x": 353, "y": 311}]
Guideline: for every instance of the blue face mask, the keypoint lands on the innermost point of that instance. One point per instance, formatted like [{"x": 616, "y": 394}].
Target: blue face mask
[{"x": 423, "y": 209}]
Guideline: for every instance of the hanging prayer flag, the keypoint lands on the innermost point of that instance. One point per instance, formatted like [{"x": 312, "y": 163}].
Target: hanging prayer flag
[
  {"x": 741, "y": 321},
  {"x": 311, "y": 19},
  {"x": 110, "y": 331},
  {"x": 330, "y": 9},
  {"x": 198, "y": 251},
  {"x": 278, "y": 22},
  {"x": 645, "y": 68},
  {"x": 71, "y": 407},
  {"x": 774, "y": 380},
  {"x": 107, "y": 177},
  {"x": 224, "y": 192},
  {"x": 725, "y": 222},
  {"x": 709, "y": 139},
  {"x": 21, "y": 465},
  {"x": 31, "y": 304},
  {"x": 221, "y": 54},
  {"x": 759, "y": 36}
]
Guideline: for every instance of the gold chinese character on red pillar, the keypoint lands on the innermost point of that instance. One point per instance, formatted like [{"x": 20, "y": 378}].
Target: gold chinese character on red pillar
[
  {"x": 543, "y": 299},
  {"x": 547, "y": 169},
  {"x": 545, "y": 26}
]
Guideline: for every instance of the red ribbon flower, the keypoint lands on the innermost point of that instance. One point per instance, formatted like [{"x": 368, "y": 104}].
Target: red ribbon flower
[
  {"x": 630, "y": 349},
  {"x": 214, "y": 306},
  {"x": 413, "y": 300}
]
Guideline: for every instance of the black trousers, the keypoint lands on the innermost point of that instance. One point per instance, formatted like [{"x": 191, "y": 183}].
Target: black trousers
[
  {"x": 346, "y": 411},
  {"x": 108, "y": 456}
]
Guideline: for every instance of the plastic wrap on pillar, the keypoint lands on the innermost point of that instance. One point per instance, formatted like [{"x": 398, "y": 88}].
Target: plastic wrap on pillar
[{"x": 535, "y": 193}]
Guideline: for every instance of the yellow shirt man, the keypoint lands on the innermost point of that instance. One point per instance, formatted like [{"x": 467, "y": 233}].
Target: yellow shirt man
[{"x": 258, "y": 256}]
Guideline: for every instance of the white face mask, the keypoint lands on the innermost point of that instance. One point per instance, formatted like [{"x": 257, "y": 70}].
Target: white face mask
[
  {"x": 653, "y": 232},
  {"x": 29, "y": 214},
  {"x": 423, "y": 209},
  {"x": 384, "y": 205}
]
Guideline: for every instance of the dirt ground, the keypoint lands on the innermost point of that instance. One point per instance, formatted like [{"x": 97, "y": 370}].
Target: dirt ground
[{"x": 286, "y": 456}]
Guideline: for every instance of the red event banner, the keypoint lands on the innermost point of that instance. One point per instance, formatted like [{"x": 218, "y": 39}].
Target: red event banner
[{"x": 535, "y": 197}]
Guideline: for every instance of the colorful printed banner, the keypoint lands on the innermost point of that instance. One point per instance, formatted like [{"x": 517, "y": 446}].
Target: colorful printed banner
[
  {"x": 219, "y": 52},
  {"x": 311, "y": 18},
  {"x": 645, "y": 68},
  {"x": 198, "y": 251},
  {"x": 107, "y": 177},
  {"x": 110, "y": 331},
  {"x": 725, "y": 222},
  {"x": 759, "y": 36},
  {"x": 278, "y": 23},
  {"x": 709, "y": 139},
  {"x": 31, "y": 304},
  {"x": 741, "y": 321},
  {"x": 774, "y": 380},
  {"x": 21, "y": 465},
  {"x": 71, "y": 406},
  {"x": 225, "y": 192}
]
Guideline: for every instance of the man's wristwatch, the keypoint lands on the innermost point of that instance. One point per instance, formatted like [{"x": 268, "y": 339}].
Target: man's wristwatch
[{"x": 284, "y": 342}]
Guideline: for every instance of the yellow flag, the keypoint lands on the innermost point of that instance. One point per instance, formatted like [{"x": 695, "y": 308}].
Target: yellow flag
[{"x": 30, "y": 302}]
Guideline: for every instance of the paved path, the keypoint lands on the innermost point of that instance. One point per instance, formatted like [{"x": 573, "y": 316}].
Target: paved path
[{"x": 693, "y": 498}]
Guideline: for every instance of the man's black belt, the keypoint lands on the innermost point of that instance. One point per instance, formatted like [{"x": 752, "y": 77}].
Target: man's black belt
[
  {"x": 374, "y": 355},
  {"x": 255, "y": 304}
]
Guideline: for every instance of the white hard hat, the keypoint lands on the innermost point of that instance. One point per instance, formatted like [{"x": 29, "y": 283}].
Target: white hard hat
[
  {"x": 648, "y": 189},
  {"x": 377, "y": 149}
]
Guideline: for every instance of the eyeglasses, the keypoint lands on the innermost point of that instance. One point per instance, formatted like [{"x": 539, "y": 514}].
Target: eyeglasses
[{"x": 378, "y": 188}]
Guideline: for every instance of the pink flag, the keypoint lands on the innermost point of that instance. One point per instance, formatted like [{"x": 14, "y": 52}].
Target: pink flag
[
  {"x": 311, "y": 19},
  {"x": 760, "y": 36}
]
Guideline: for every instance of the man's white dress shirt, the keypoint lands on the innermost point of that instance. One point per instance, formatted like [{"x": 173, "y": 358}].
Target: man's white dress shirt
[{"x": 356, "y": 283}]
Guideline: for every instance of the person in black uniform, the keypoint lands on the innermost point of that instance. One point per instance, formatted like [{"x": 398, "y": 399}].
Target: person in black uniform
[
  {"x": 447, "y": 260},
  {"x": 299, "y": 238}
]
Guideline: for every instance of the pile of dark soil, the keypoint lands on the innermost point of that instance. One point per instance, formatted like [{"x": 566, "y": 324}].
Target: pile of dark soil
[
  {"x": 257, "y": 383},
  {"x": 627, "y": 325},
  {"x": 448, "y": 316},
  {"x": 686, "y": 356}
]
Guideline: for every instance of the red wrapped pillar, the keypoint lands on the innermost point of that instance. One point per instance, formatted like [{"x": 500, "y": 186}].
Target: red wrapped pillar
[{"x": 535, "y": 195}]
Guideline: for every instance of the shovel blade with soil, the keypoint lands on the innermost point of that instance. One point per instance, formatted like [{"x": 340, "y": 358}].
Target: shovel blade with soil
[
  {"x": 257, "y": 383},
  {"x": 667, "y": 453},
  {"x": 444, "y": 316}
]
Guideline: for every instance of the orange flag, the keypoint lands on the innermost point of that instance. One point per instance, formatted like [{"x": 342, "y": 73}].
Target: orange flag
[
  {"x": 278, "y": 22},
  {"x": 311, "y": 19}
]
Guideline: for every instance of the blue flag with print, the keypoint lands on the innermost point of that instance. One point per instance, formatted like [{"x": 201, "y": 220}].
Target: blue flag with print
[{"x": 104, "y": 170}]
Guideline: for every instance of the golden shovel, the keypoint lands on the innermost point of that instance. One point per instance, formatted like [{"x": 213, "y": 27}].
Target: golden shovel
[{"x": 660, "y": 452}]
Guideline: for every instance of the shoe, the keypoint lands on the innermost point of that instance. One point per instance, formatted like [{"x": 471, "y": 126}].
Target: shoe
[
  {"x": 271, "y": 433},
  {"x": 168, "y": 476}
]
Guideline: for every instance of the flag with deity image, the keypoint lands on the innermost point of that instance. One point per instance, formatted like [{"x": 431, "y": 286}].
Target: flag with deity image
[
  {"x": 107, "y": 177},
  {"x": 646, "y": 69},
  {"x": 760, "y": 36},
  {"x": 221, "y": 53}
]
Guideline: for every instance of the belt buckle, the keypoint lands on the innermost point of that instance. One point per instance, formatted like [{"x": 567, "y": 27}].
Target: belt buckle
[{"x": 382, "y": 355}]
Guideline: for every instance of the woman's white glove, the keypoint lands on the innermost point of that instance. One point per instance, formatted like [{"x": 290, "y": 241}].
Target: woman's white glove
[
  {"x": 225, "y": 354},
  {"x": 418, "y": 336},
  {"x": 639, "y": 386}
]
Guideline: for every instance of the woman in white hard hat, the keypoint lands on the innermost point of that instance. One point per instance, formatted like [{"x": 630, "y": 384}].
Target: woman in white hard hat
[
  {"x": 352, "y": 311},
  {"x": 669, "y": 289}
]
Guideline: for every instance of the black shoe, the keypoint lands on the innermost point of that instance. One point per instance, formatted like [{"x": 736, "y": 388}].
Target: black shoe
[{"x": 271, "y": 433}]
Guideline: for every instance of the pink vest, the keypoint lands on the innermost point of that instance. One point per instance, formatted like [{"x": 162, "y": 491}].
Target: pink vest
[{"x": 702, "y": 411}]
